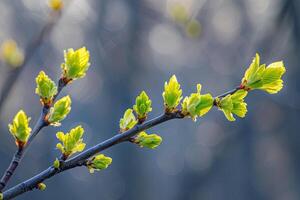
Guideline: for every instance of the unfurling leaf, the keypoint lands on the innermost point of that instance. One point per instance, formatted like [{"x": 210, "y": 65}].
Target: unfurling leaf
[
  {"x": 59, "y": 111},
  {"x": 142, "y": 106},
  {"x": 233, "y": 104},
  {"x": 197, "y": 104},
  {"x": 76, "y": 63},
  {"x": 128, "y": 121},
  {"x": 45, "y": 88},
  {"x": 264, "y": 78},
  {"x": 150, "y": 141},
  {"x": 98, "y": 162},
  {"x": 20, "y": 128},
  {"x": 172, "y": 94},
  {"x": 11, "y": 53},
  {"x": 41, "y": 186},
  {"x": 55, "y": 4},
  {"x": 71, "y": 142}
]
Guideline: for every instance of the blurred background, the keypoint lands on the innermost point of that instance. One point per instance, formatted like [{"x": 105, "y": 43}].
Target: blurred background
[{"x": 136, "y": 45}]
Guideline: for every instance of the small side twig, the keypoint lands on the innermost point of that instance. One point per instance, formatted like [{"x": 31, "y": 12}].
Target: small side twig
[
  {"x": 19, "y": 154},
  {"x": 230, "y": 92}
]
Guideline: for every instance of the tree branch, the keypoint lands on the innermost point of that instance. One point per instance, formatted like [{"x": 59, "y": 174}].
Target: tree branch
[{"x": 81, "y": 158}]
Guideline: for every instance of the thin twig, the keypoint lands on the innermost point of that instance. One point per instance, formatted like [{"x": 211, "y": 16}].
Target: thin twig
[
  {"x": 229, "y": 92},
  {"x": 19, "y": 154},
  {"x": 81, "y": 158}
]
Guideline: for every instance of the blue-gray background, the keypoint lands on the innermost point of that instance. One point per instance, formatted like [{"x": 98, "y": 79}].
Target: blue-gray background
[{"x": 134, "y": 46}]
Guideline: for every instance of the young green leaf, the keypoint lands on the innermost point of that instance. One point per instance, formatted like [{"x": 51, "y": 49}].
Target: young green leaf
[
  {"x": 20, "y": 128},
  {"x": 76, "y": 63},
  {"x": 233, "y": 104},
  {"x": 172, "y": 94},
  {"x": 128, "y": 121},
  {"x": 59, "y": 111},
  {"x": 197, "y": 104},
  {"x": 150, "y": 141},
  {"x": 71, "y": 142},
  {"x": 98, "y": 162},
  {"x": 142, "y": 106},
  {"x": 45, "y": 88},
  {"x": 272, "y": 82},
  {"x": 264, "y": 78}
]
